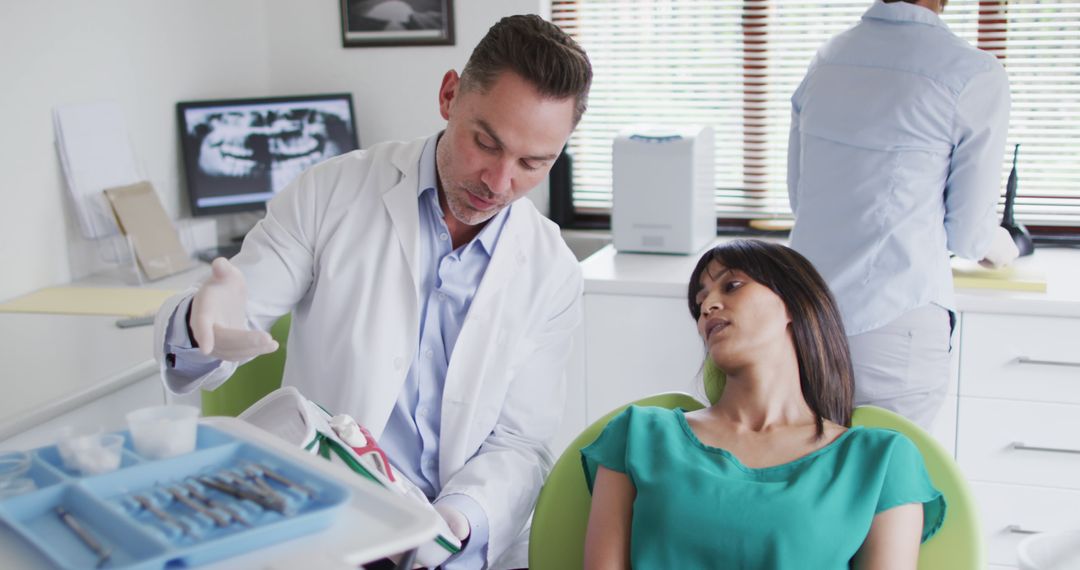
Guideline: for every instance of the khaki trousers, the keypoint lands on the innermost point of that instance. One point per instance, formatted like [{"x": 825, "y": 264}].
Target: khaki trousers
[{"x": 904, "y": 365}]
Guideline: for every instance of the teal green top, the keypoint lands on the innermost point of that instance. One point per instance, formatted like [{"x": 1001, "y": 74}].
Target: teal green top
[{"x": 697, "y": 506}]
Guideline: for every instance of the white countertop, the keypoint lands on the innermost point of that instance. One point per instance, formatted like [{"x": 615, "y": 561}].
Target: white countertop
[
  {"x": 56, "y": 363},
  {"x": 661, "y": 275}
]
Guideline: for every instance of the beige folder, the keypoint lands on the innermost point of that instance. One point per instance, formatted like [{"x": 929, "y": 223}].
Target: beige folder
[{"x": 143, "y": 220}]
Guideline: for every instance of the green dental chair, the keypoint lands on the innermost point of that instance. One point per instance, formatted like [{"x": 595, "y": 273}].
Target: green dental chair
[
  {"x": 557, "y": 538},
  {"x": 251, "y": 381}
]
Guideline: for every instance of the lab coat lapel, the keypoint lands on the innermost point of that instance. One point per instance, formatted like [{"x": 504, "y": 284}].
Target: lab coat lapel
[
  {"x": 480, "y": 342},
  {"x": 402, "y": 204}
]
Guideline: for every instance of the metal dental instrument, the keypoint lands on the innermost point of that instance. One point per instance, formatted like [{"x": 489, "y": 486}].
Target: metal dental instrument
[
  {"x": 91, "y": 542},
  {"x": 255, "y": 484},
  {"x": 243, "y": 493},
  {"x": 214, "y": 504},
  {"x": 162, "y": 515},
  {"x": 255, "y": 476},
  {"x": 187, "y": 501},
  {"x": 274, "y": 476}
]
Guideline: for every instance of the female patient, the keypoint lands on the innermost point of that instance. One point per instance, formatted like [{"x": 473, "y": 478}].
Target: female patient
[{"x": 770, "y": 476}]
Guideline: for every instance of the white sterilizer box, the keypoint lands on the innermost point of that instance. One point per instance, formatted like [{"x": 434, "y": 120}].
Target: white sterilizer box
[{"x": 662, "y": 187}]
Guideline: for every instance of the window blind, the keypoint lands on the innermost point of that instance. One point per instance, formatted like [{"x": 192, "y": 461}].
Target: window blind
[{"x": 733, "y": 65}]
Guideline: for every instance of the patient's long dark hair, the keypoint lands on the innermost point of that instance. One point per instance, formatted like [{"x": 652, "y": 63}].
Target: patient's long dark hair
[{"x": 821, "y": 346}]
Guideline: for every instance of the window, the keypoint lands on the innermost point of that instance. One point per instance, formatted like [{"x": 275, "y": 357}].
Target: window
[{"x": 733, "y": 65}]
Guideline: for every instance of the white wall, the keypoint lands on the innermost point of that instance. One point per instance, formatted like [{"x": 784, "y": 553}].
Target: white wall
[
  {"x": 395, "y": 89},
  {"x": 147, "y": 55}
]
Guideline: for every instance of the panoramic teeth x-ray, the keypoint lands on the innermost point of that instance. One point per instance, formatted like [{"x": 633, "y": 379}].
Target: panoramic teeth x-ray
[{"x": 258, "y": 149}]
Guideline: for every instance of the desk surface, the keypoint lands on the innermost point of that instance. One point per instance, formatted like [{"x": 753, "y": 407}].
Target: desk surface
[
  {"x": 56, "y": 363},
  {"x": 610, "y": 272}
]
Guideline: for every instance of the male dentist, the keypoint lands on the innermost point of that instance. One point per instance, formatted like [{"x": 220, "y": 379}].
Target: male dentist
[
  {"x": 895, "y": 158},
  {"x": 427, "y": 300}
]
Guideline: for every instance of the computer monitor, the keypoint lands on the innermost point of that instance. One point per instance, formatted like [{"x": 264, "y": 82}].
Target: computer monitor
[{"x": 239, "y": 152}]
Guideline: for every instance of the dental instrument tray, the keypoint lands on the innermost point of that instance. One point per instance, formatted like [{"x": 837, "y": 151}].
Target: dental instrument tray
[{"x": 229, "y": 496}]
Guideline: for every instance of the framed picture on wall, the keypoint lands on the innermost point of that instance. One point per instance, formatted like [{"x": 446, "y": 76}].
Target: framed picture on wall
[{"x": 370, "y": 23}]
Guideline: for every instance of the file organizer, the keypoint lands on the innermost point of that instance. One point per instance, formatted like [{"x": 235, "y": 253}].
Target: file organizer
[{"x": 105, "y": 506}]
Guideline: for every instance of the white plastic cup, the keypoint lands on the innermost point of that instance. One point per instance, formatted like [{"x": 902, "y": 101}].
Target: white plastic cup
[
  {"x": 102, "y": 455},
  {"x": 163, "y": 431},
  {"x": 71, "y": 439}
]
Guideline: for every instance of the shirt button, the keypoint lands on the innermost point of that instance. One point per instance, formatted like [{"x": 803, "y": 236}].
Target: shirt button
[
  {"x": 444, "y": 236},
  {"x": 442, "y": 296},
  {"x": 398, "y": 362},
  {"x": 428, "y": 353},
  {"x": 422, "y": 411}
]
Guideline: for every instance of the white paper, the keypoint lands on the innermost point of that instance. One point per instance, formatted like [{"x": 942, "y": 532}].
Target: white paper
[{"x": 95, "y": 152}]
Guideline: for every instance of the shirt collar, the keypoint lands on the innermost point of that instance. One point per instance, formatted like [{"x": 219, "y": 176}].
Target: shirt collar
[
  {"x": 903, "y": 12},
  {"x": 489, "y": 235},
  {"x": 428, "y": 177}
]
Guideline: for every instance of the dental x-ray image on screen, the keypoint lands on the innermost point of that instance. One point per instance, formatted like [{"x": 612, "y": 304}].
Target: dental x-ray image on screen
[{"x": 239, "y": 153}]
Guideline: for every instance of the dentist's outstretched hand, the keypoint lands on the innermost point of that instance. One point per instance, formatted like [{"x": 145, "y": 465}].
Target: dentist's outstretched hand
[{"x": 219, "y": 317}]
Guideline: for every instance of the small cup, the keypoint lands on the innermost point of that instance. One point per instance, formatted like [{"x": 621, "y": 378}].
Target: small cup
[
  {"x": 163, "y": 431},
  {"x": 13, "y": 464},
  {"x": 70, "y": 439},
  {"x": 98, "y": 454}
]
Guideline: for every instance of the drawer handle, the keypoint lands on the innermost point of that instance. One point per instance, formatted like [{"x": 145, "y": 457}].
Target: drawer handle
[
  {"x": 1017, "y": 529},
  {"x": 1019, "y": 445},
  {"x": 1027, "y": 360}
]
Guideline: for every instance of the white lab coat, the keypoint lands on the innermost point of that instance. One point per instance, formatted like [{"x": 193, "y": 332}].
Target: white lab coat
[{"x": 338, "y": 248}]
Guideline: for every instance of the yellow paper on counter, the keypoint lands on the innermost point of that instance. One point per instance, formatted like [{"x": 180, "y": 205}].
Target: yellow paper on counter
[
  {"x": 970, "y": 275},
  {"x": 120, "y": 301}
]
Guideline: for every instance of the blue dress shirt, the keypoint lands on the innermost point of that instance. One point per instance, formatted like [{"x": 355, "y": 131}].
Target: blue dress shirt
[
  {"x": 449, "y": 279},
  {"x": 895, "y": 156}
]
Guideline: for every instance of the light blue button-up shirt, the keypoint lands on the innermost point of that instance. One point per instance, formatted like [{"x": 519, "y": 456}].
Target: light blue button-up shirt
[
  {"x": 449, "y": 279},
  {"x": 897, "y": 141}
]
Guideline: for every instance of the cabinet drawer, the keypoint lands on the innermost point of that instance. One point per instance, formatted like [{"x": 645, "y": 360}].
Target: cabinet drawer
[
  {"x": 637, "y": 347},
  {"x": 1011, "y": 512},
  {"x": 1027, "y": 358},
  {"x": 1019, "y": 442}
]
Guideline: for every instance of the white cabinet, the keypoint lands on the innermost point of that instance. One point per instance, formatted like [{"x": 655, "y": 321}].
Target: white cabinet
[
  {"x": 1018, "y": 436},
  {"x": 1022, "y": 357},
  {"x": 1009, "y": 513},
  {"x": 79, "y": 370},
  {"x": 638, "y": 346},
  {"x": 107, "y": 411}
]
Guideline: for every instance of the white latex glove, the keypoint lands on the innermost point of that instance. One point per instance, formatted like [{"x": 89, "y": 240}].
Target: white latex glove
[
  {"x": 1002, "y": 250},
  {"x": 219, "y": 317},
  {"x": 455, "y": 520},
  {"x": 431, "y": 555}
]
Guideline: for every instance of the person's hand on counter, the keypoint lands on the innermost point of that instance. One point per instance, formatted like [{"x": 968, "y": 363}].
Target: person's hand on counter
[
  {"x": 218, "y": 320},
  {"x": 1002, "y": 250}
]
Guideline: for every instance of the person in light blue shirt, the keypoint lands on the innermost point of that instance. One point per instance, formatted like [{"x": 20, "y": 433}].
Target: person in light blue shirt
[
  {"x": 894, "y": 160},
  {"x": 428, "y": 301}
]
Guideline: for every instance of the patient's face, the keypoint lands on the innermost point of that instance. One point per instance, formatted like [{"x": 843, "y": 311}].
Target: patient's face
[{"x": 742, "y": 321}]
